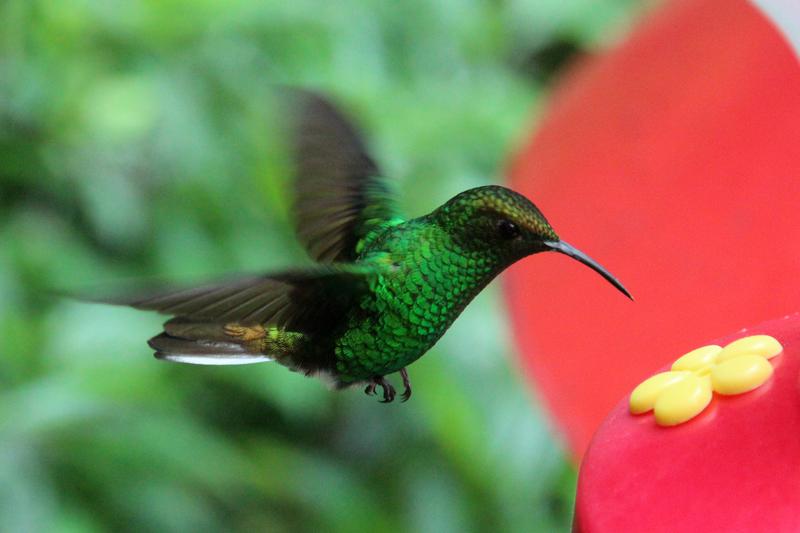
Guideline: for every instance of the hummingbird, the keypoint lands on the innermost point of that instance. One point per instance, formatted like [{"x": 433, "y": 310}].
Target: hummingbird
[{"x": 383, "y": 289}]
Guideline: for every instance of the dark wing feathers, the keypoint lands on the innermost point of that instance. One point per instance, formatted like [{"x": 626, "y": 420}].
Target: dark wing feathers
[
  {"x": 299, "y": 301},
  {"x": 232, "y": 301},
  {"x": 339, "y": 192}
]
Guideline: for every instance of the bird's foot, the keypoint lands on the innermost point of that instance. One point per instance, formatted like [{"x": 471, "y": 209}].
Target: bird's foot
[
  {"x": 245, "y": 333},
  {"x": 388, "y": 390},
  {"x": 406, "y": 385}
]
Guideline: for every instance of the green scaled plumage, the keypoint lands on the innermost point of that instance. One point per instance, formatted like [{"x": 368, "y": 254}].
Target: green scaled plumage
[{"x": 385, "y": 289}]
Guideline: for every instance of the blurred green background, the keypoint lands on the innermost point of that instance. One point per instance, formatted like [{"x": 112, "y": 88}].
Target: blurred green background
[{"x": 137, "y": 139}]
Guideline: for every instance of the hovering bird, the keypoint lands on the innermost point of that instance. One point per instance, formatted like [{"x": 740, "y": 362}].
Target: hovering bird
[{"x": 384, "y": 289}]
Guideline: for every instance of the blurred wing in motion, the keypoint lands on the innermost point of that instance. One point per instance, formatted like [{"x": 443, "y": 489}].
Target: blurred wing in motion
[
  {"x": 298, "y": 301},
  {"x": 340, "y": 195},
  {"x": 302, "y": 303}
]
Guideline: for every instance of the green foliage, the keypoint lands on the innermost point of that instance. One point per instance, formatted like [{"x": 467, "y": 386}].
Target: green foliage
[{"x": 138, "y": 139}]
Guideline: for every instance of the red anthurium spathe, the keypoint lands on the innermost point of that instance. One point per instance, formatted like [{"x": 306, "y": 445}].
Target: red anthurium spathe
[
  {"x": 733, "y": 467},
  {"x": 672, "y": 160}
]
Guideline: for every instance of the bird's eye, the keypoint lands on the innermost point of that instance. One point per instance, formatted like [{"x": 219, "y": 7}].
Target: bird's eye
[{"x": 507, "y": 229}]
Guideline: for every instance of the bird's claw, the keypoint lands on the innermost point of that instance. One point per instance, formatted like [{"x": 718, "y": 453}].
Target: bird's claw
[
  {"x": 388, "y": 390},
  {"x": 406, "y": 386}
]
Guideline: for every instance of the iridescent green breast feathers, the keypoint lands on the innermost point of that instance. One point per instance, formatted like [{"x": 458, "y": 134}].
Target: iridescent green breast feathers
[{"x": 385, "y": 289}]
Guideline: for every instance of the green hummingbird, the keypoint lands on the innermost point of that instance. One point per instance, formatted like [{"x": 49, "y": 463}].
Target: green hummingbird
[{"x": 384, "y": 288}]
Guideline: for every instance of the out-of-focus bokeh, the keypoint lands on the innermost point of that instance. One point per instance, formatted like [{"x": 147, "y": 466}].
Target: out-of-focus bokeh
[{"x": 137, "y": 140}]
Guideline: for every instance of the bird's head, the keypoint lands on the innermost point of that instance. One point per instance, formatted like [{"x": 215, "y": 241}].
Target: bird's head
[{"x": 507, "y": 225}]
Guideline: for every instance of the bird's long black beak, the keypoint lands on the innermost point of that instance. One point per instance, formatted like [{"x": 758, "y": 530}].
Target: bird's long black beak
[{"x": 568, "y": 249}]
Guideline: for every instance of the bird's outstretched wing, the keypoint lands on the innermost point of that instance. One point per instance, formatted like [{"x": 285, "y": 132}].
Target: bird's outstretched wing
[
  {"x": 301, "y": 300},
  {"x": 340, "y": 194}
]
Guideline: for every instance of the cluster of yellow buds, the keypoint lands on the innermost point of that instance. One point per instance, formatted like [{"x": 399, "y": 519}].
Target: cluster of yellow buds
[{"x": 682, "y": 393}]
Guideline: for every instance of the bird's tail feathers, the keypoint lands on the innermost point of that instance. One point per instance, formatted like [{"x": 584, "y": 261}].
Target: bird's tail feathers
[{"x": 202, "y": 344}]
